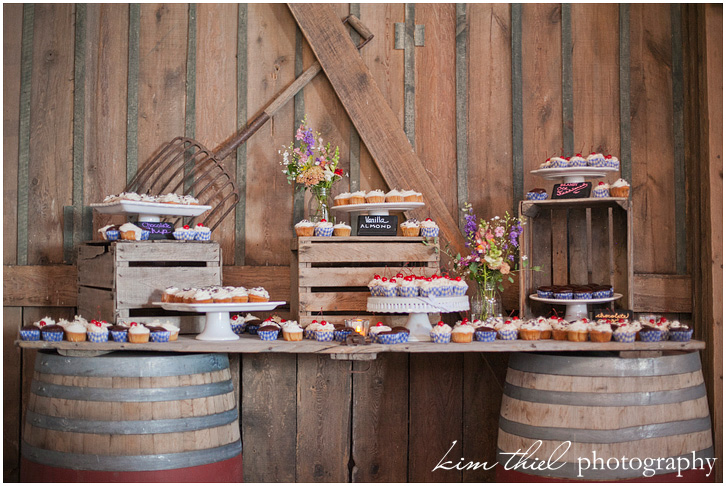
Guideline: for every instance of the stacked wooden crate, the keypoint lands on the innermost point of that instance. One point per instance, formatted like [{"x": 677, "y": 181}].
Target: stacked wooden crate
[
  {"x": 330, "y": 275},
  {"x": 121, "y": 280}
]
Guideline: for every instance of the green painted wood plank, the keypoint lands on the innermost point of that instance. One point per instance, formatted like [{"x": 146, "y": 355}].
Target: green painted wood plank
[
  {"x": 132, "y": 114},
  {"x": 409, "y": 76},
  {"x": 517, "y": 114},
  {"x": 462, "y": 110},
  {"x": 354, "y": 153},
  {"x": 679, "y": 148},
  {"x": 241, "y": 168},
  {"x": 568, "y": 134},
  {"x": 190, "y": 114},
  {"x": 298, "y": 204},
  {"x": 79, "y": 109},
  {"x": 26, "y": 74},
  {"x": 68, "y": 219},
  {"x": 625, "y": 161}
]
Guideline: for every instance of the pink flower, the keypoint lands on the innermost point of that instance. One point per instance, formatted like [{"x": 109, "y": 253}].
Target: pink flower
[
  {"x": 499, "y": 231},
  {"x": 504, "y": 268}
]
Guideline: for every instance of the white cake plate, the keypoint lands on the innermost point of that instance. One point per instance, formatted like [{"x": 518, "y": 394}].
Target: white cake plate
[
  {"x": 575, "y": 308},
  {"x": 378, "y": 209},
  {"x": 148, "y": 211},
  {"x": 217, "y": 326},
  {"x": 573, "y": 174},
  {"x": 417, "y": 309}
]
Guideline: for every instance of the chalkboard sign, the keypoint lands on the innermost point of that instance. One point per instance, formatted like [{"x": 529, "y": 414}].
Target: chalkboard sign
[
  {"x": 157, "y": 230},
  {"x": 571, "y": 190},
  {"x": 377, "y": 225},
  {"x": 614, "y": 314}
]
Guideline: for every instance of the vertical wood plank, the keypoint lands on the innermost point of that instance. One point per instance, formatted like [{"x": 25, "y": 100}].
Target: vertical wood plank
[
  {"x": 517, "y": 132},
  {"x": 380, "y": 419},
  {"x": 484, "y": 375},
  {"x": 79, "y": 108},
  {"x": 26, "y": 75},
  {"x": 241, "y": 169},
  {"x": 652, "y": 123},
  {"x": 323, "y": 419},
  {"x": 678, "y": 139},
  {"x": 599, "y": 258},
  {"x": 268, "y": 417},
  {"x": 271, "y": 56},
  {"x": 435, "y": 106},
  {"x": 12, "y": 42},
  {"x": 435, "y": 416},
  {"x": 567, "y": 101},
  {"x": 577, "y": 246},
  {"x": 541, "y": 87},
  {"x": 625, "y": 149},
  {"x": 12, "y": 319},
  {"x": 132, "y": 110},
  {"x": 409, "y": 75},
  {"x": 216, "y": 95},
  {"x": 559, "y": 246},
  {"x": 51, "y": 131},
  {"x": 490, "y": 123},
  {"x": 462, "y": 110},
  {"x": 162, "y": 76}
]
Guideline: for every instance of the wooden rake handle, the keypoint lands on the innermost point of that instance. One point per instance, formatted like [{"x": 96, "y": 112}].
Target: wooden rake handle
[{"x": 244, "y": 134}]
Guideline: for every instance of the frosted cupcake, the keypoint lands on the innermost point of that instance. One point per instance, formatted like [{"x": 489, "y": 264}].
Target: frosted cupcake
[
  {"x": 428, "y": 288},
  {"x": 169, "y": 294},
  {"x": 341, "y": 229},
  {"x": 509, "y": 331},
  {"x": 341, "y": 199},
  {"x": 325, "y": 332},
  {"x": 462, "y": 333},
  {"x": 374, "y": 286},
  {"x": 305, "y": 228},
  {"x": 138, "y": 333},
  {"x": 268, "y": 332},
  {"x": 625, "y": 333},
  {"x": 612, "y": 161},
  {"x": 221, "y": 296},
  {"x": 394, "y": 196},
  {"x": 291, "y": 331},
  {"x": 536, "y": 194},
  {"x": 601, "y": 332},
  {"x": 202, "y": 233},
  {"x": 559, "y": 328},
  {"x": 388, "y": 287},
  {"x": 410, "y": 228},
  {"x": 185, "y": 233},
  {"x": 441, "y": 333},
  {"x": 620, "y": 188},
  {"x": 558, "y": 163},
  {"x": 310, "y": 330},
  {"x": 75, "y": 332},
  {"x": 46, "y": 321},
  {"x": 97, "y": 332},
  {"x": 173, "y": 330},
  {"x": 375, "y": 196},
  {"x": 679, "y": 332},
  {"x": 110, "y": 232},
  {"x": 202, "y": 296},
  {"x": 595, "y": 160},
  {"x": 429, "y": 228},
  {"x": 459, "y": 287},
  {"x": 412, "y": 196},
  {"x": 323, "y": 228},
  {"x": 601, "y": 190},
  {"x": 407, "y": 287},
  {"x": 358, "y": 197},
  {"x": 577, "y": 160},
  {"x": 258, "y": 294},
  {"x": 530, "y": 330},
  {"x": 578, "y": 331},
  {"x": 129, "y": 231},
  {"x": 239, "y": 294}
]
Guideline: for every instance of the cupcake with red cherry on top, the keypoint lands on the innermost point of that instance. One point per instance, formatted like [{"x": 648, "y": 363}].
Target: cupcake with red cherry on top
[
  {"x": 185, "y": 233},
  {"x": 601, "y": 190},
  {"x": 429, "y": 228},
  {"x": 202, "y": 233}
]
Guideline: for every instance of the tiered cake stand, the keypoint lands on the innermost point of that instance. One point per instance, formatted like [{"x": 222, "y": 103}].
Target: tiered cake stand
[
  {"x": 217, "y": 325},
  {"x": 378, "y": 209},
  {"x": 417, "y": 309},
  {"x": 573, "y": 174},
  {"x": 148, "y": 211},
  {"x": 575, "y": 308}
]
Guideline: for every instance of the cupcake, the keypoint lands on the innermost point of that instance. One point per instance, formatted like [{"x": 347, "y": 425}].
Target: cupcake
[
  {"x": 485, "y": 334},
  {"x": 129, "y": 231},
  {"x": 582, "y": 292},
  {"x": 97, "y": 332},
  {"x": 459, "y": 287},
  {"x": 374, "y": 286},
  {"x": 577, "y": 160},
  {"x": 221, "y": 296},
  {"x": 119, "y": 333},
  {"x": 388, "y": 288},
  {"x": 29, "y": 333},
  {"x": 341, "y": 199},
  {"x": 429, "y": 228},
  {"x": 325, "y": 332},
  {"x": 412, "y": 196},
  {"x": 601, "y": 332},
  {"x": 268, "y": 332},
  {"x": 562, "y": 293},
  {"x": 341, "y": 229},
  {"x": 341, "y": 335},
  {"x": 387, "y": 337},
  {"x": 595, "y": 160},
  {"x": 612, "y": 161},
  {"x": 650, "y": 334},
  {"x": 202, "y": 233},
  {"x": 75, "y": 332},
  {"x": 110, "y": 232},
  {"x": 559, "y": 328},
  {"x": 173, "y": 330},
  {"x": 202, "y": 296},
  {"x": 46, "y": 321},
  {"x": 259, "y": 294},
  {"x": 358, "y": 197},
  {"x": 323, "y": 228},
  {"x": 679, "y": 332},
  {"x": 310, "y": 330},
  {"x": 305, "y": 228},
  {"x": 578, "y": 331},
  {"x": 625, "y": 333},
  {"x": 169, "y": 294},
  {"x": 509, "y": 330},
  {"x": 403, "y": 334},
  {"x": 428, "y": 288},
  {"x": 138, "y": 333},
  {"x": 375, "y": 196},
  {"x": 620, "y": 188},
  {"x": 441, "y": 333},
  {"x": 557, "y": 163},
  {"x": 373, "y": 331},
  {"x": 410, "y": 228},
  {"x": 536, "y": 194},
  {"x": 462, "y": 333},
  {"x": 601, "y": 190},
  {"x": 394, "y": 196},
  {"x": 407, "y": 287},
  {"x": 55, "y": 333},
  {"x": 240, "y": 295},
  {"x": 530, "y": 330},
  {"x": 545, "y": 292},
  {"x": 184, "y": 233},
  {"x": 238, "y": 324}
]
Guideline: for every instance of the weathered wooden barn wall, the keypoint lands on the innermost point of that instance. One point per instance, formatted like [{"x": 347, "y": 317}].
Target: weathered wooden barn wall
[{"x": 92, "y": 91}]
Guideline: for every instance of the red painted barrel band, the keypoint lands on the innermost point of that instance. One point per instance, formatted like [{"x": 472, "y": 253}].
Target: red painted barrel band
[
  {"x": 689, "y": 476},
  {"x": 227, "y": 471}
]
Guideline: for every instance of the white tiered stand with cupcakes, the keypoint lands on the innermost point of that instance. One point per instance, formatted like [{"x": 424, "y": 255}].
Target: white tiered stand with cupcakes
[{"x": 418, "y": 309}]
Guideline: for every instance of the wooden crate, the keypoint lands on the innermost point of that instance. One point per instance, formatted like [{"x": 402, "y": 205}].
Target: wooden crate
[
  {"x": 575, "y": 242},
  {"x": 330, "y": 275},
  {"x": 120, "y": 280}
]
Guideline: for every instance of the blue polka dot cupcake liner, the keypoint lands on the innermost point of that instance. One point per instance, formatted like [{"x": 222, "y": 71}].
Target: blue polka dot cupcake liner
[
  {"x": 238, "y": 328},
  {"x": 120, "y": 336},
  {"x": 113, "y": 235},
  {"x": 160, "y": 336},
  {"x": 268, "y": 335},
  {"x": 544, "y": 294},
  {"x": 599, "y": 294},
  {"x": 624, "y": 337},
  {"x": 664, "y": 335},
  {"x": 441, "y": 338},
  {"x": 582, "y": 295},
  {"x": 252, "y": 329},
  {"x": 430, "y": 232},
  {"x": 308, "y": 334},
  {"x": 145, "y": 235},
  {"x": 185, "y": 235},
  {"x": 577, "y": 163},
  {"x": 324, "y": 231},
  {"x": 32, "y": 335},
  {"x": 559, "y": 164},
  {"x": 615, "y": 164},
  {"x": 324, "y": 336},
  {"x": 650, "y": 336},
  {"x": 536, "y": 196},
  {"x": 388, "y": 338},
  {"x": 203, "y": 236},
  {"x": 52, "y": 336},
  {"x": 485, "y": 336},
  {"x": 681, "y": 336},
  {"x": 97, "y": 337},
  {"x": 599, "y": 162},
  {"x": 508, "y": 335},
  {"x": 407, "y": 291},
  {"x": 389, "y": 292},
  {"x": 340, "y": 336},
  {"x": 403, "y": 337},
  {"x": 563, "y": 295},
  {"x": 459, "y": 291},
  {"x": 425, "y": 292},
  {"x": 600, "y": 192}
]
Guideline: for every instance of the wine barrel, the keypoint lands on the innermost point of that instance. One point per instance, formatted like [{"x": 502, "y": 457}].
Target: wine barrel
[
  {"x": 131, "y": 417},
  {"x": 604, "y": 418}
]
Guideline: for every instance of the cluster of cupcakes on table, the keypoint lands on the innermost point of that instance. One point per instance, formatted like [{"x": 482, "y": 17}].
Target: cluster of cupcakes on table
[
  {"x": 321, "y": 228},
  {"x": 578, "y": 160},
  {"x": 96, "y": 331},
  {"x": 376, "y": 196},
  {"x": 619, "y": 188},
  {"x": 427, "y": 228},
  {"x": 465, "y": 331},
  {"x": 199, "y": 232},
  {"x": 417, "y": 286},
  {"x": 214, "y": 294},
  {"x": 573, "y": 292},
  {"x": 169, "y": 198},
  {"x": 127, "y": 231}
]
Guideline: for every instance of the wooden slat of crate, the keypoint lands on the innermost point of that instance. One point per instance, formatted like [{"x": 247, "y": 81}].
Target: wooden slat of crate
[
  {"x": 140, "y": 286},
  {"x": 362, "y": 249},
  {"x": 96, "y": 303},
  {"x": 95, "y": 266},
  {"x": 333, "y": 301},
  {"x": 177, "y": 251}
]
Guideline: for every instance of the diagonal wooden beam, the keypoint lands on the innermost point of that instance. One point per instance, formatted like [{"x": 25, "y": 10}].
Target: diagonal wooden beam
[{"x": 367, "y": 108}]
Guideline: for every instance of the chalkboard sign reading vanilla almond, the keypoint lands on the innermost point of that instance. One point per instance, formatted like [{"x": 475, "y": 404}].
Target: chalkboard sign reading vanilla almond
[
  {"x": 571, "y": 190},
  {"x": 613, "y": 314},
  {"x": 158, "y": 230},
  {"x": 377, "y": 225}
]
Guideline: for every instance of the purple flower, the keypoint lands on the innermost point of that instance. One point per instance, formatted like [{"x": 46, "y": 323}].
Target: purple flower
[{"x": 511, "y": 257}]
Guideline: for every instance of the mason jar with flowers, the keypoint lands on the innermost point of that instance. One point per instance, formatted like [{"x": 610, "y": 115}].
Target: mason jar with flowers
[
  {"x": 494, "y": 252},
  {"x": 312, "y": 165}
]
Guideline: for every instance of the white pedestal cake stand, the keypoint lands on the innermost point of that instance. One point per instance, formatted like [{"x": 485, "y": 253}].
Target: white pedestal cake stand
[
  {"x": 575, "y": 308},
  {"x": 573, "y": 174},
  {"x": 378, "y": 209},
  {"x": 417, "y": 309},
  {"x": 148, "y": 211},
  {"x": 217, "y": 326}
]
